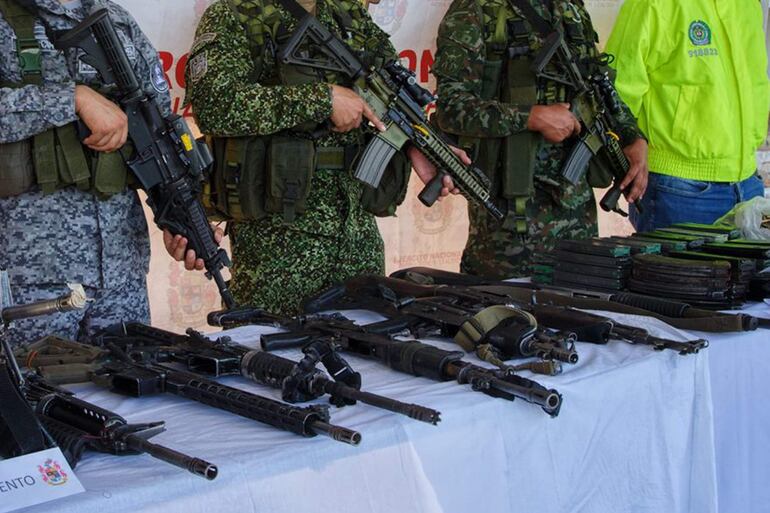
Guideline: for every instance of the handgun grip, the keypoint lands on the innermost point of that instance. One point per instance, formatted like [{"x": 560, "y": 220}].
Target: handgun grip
[{"x": 432, "y": 192}]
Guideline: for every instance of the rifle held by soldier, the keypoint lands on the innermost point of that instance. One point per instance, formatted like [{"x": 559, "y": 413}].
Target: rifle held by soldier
[
  {"x": 595, "y": 103},
  {"x": 396, "y": 97},
  {"x": 167, "y": 161}
]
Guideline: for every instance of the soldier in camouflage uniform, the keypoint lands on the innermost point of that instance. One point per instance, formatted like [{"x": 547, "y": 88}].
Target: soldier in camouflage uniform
[
  {"x": 71, "y": 233},
  {"x": 474, "y": 37},
  {"x": 236, "y": 89}
]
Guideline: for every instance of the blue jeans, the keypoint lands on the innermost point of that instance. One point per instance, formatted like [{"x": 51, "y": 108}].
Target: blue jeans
[{"x": 671, "y": 200}]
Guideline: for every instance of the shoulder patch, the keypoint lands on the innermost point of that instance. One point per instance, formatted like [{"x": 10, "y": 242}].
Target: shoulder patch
[
  {"x": 199, "y": 66},
  {"x": 158, "y": 79},
  {"x": 203, "y": 40}
]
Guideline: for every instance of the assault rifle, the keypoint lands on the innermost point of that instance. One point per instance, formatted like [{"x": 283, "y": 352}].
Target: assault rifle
[
  {"x": 298, "y": 381},
  {"x": 167, "y": 161},
  {"x": 498, "y": 332},
  {"x": 410, "y": 357},
  {"x": 396, "y": 97},
  {"x": 588, "y": 327},
  {"x": 78, "y": 425},
  {"x": 596, "y": 104},
  {"x": 20, "y": 430},
  {"x": 125, "y": 376}
]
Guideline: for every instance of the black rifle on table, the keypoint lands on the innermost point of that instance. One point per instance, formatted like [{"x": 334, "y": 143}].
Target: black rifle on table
[
  {"x": 410, "y": 357},
  {"x": 20, "y": 430},
  {"x": 596, "y": 104},
  {"x": 396, "y": 97},
  {"x": 78, "y": 426},
  {"x": 588, "y": 327},
  {"x": 122, "y": 375},
  {"x": 497, "y": 332},
  {"x": 298, "y": 381},
  {"x": 167, "y": 161}
]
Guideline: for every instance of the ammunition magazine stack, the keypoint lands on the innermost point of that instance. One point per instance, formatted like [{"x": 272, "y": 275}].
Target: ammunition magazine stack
[{"x": 707, "y": 266}]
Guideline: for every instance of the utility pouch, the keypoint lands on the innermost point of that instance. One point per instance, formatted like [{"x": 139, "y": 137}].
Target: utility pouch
[
  {"x": 290, "y": 166},
  {"x": 383, "y": 200},
  {"x": 235, "y": 187},
  {"x": 17, "y": 174},
  {"x": 110, "y": 172},
  {"x": 600, "y": 173}
]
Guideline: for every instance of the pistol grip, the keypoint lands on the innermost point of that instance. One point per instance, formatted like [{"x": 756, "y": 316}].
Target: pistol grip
[{"x": 432, "y": 192}]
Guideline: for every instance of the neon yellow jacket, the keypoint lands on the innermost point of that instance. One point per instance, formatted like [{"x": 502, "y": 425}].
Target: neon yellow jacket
[{"x": 695, "y": 74}]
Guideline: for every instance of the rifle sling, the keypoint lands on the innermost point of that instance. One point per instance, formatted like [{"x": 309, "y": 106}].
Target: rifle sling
[{"x": 532, "y": 16}]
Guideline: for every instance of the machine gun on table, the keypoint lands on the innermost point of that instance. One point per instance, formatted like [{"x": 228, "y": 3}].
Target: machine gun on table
[
  {"x": 410, "y": 357},
  {"x": 35, "y": 415},
  {"x": 588, "y": 327},
  {"x": 496, "y": 331},
  {"x": 298, "y": 381}
]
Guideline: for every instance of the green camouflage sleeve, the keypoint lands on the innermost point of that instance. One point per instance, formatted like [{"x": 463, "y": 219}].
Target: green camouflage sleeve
[
  {"x": 459, "y": 69},
  {"x": 377, "y": 41},
  {"x": 222, "y": 89}
]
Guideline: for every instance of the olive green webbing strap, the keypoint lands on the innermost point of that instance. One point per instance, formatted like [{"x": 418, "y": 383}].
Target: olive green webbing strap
[
  {"x": 45, "y": 161},
  {"x": 71, "y": 158},
  {"x": 22, "y": 21},
  {"x": 471, "y": 334}
]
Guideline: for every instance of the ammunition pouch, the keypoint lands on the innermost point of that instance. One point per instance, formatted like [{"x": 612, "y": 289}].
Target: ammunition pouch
[
  {"x": 55, "y": 159},
  {"x": 256, "y": 176},
  {"x": 17, "y": 174}
]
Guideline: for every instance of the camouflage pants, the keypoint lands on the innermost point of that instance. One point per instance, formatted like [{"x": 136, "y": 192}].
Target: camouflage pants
[
  {"x": 277, "y": 265},
  {"x": 127, "y": 302},
  {"x": 557, "y": 211}
]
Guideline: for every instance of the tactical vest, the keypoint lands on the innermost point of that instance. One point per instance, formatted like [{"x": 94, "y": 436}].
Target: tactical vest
[
  {"x": 511, "y": 45},
  {"x": 260, "y": 175},
  {"x": 55, "y": 158}
]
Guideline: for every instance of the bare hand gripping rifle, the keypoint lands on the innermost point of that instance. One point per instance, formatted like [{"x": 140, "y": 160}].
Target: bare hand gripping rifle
[
  {"x": 398, "y": 100},
  {"x": 167, "y": 161}
]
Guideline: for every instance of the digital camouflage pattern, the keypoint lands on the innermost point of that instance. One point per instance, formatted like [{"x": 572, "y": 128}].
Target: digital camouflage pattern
[
  {"x": 70, "y": 236},
  {"x": 557, "y": 210},
  {"x": 235, "y": 90}
]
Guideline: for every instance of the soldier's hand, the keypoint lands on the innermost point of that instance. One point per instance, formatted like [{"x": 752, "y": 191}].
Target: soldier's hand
[
  {"x": 426, "y": 171},
  {"x": 349, "y": 111},
  {"x": 638, "y": 174},
  {"x": 176, "y": 245},
  {"x": 555, "y": 122},
  {"x": 107, "y": 123}
]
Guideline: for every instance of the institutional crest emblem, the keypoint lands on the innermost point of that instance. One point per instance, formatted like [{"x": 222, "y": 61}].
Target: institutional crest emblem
[
  {"x": 700, "y": 33},
  {"x": 52, "y": 473}
]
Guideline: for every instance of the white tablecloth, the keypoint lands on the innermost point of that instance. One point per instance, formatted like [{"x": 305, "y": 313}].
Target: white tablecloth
[
  {"x": 635, "y": 435},
  {"x": 740, "y": 382}
]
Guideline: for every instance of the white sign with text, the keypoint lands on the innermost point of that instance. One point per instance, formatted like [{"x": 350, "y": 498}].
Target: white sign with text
[{"x": 36, "y": 478}]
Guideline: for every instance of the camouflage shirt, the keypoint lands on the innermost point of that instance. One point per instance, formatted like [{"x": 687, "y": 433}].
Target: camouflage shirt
[
  {"x": 235, "y": 86},
  {"x": 464, "y": 45},
  {"x": 233, "y": 81},
  {"x": 472, "y": 35},
  {"x": 70, "y": 236}
]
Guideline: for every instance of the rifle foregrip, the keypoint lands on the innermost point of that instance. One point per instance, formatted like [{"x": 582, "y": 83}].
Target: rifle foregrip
[
  {"x": 432, "y": 192},
  {"x": 278, "y": 341}
]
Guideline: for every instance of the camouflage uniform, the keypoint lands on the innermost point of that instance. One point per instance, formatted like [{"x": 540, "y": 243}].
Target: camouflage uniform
[
  {"x": 277, "y": 264},
  {"x": 557, "y": 210},
  {"x": 70, "y": 236}
]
